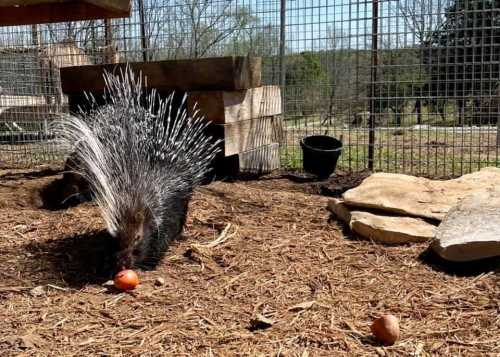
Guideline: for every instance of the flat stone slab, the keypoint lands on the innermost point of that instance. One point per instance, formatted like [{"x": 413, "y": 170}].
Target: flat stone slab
[
  {"x": 417, "y": 196},
  {"x": 383, "y": 228},
  {"x": 471, "y": 230}
]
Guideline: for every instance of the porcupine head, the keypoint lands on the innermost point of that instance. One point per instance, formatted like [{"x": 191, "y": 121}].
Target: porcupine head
[{"x": 142, "y": 159}]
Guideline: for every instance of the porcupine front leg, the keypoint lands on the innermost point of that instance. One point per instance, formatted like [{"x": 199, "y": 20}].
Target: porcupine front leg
[{"x": 173, "y": 222}]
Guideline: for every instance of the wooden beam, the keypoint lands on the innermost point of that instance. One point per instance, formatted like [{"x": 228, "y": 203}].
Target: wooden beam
[
  {"x": 112, "y": 5},
  {"x": 223, "y": 107},
  {"x": 14, "y": 13},
  {"x": 223, "y": 73},
  {"x": 4, "y": 3},
  {"x": 246, "y": 135}
]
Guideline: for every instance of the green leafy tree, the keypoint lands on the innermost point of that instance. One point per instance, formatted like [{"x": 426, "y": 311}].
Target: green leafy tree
[
  {"x": 464, "y": 55},
  {"x": 306, "y": 81},
  {"x": 399, "y": 80}
]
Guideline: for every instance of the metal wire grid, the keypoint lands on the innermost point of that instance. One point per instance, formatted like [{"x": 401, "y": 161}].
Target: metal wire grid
[
  {"x": 29, "y": 99},
  {"x": 422, "y": 74},
  {"x": 157, "y": 30}
]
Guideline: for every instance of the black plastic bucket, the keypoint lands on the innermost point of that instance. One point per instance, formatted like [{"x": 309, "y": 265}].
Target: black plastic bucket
[{"x": 321, "y": 153}]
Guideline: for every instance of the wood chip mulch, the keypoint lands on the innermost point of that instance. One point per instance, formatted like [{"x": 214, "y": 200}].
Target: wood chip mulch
[{"x": 262, "y": 270}]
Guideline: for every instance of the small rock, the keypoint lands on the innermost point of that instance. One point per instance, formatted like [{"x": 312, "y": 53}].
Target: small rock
[
  {"x": 302, "y": 306},
  {"x": 37, "y": 291},
  {"x": 340, "y": 210},
  {"x": 29, "y": 341},
  {"x": 159, "y": 282},
  {"x": 260, "y": 322},
  {"x": 109, "y": 283}
]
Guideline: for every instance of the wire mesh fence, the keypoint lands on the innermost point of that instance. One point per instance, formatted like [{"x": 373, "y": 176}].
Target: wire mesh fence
[{"x": 408, "y": 85}]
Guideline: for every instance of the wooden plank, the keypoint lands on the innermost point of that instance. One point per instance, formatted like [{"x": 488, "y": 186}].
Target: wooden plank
[
  {"x": 4, "y": 3},
  {"x": 261, "y": 160},
  {"x": 112, "y": 5},
  {"x": 247, "y": 134},
  {"x": 37, "y": 12},
  {"x": 116, "y": 5},
  {"x": 223, "y": 73},
  {"x": 222, "y": 107},
  {"x": 78, "y": 101}
]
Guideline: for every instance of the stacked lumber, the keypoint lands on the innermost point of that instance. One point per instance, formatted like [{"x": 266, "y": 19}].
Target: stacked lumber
[
  {"x": 249, "y": 122},
  {"x": 228, "y": 91}
]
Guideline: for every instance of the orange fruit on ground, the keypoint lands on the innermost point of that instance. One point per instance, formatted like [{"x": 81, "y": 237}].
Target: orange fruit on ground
[
  {"x": 126, "y": 280},
  {"x": 386, "y": 329}
]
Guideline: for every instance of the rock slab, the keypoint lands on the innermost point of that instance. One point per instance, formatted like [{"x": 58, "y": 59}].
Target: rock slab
[
  {"x": 383, "y": 228},
  {"x": 417, "y": 196},
  {"x": 471, "y": 230}
]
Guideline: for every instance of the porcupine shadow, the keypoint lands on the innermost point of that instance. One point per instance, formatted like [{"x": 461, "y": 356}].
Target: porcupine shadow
[
  {"x": 68, "y": 191},
  {"x": 78, "y": 259},
  {"x": 82, "y": 259}
]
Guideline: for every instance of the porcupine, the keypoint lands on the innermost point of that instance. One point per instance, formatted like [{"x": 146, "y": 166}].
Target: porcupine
[{"x": 142, "y": 160}]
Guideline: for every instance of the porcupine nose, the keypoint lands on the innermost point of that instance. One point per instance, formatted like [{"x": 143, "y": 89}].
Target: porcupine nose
[{"x": 124, "y": 260}]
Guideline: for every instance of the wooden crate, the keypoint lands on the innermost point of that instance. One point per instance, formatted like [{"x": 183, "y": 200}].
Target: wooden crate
[
  {"x": 223, "y": 107},
  {"x": 249, "y": 134},
  {"x": 261, "y": 160}
]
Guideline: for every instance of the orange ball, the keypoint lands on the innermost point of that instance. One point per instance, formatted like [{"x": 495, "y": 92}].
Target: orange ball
[
  {"x": 386, "y": 329},
  {"x": 126, "y": 280}
]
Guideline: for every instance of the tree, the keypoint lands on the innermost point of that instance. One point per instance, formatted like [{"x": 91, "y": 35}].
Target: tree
[
  {"x": 305, "y": 79},
  {"x": 196, "y": 28},
  {"x": 398, "y": 80},
  {"x": 261, "y": 41},
  {"x": 464, "y": 54},
  {"x": 347, "y": 69},
  {"x": 399, "y": 77},
  {"x": 256, "y": 40},
  {"x": 422, "y": 18},
  {"x": 186, "y": 28}
]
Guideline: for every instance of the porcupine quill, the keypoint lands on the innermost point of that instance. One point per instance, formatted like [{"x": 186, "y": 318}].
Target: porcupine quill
[{"x": 141, "y": 160}]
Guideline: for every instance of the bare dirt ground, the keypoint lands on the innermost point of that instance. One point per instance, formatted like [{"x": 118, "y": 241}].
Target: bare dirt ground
[{"x": 283, "y": 258}]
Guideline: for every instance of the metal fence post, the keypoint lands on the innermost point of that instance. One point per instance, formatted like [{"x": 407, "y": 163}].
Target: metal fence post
[
  {"x": 144, "y": 42},
  {"x": 282, "y": 53},
  {"x": 373, "y": 80}
]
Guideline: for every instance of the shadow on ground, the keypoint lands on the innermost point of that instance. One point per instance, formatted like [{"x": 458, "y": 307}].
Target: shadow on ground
[
  {"x": 464, "y": 269},
  {"x": 22, "y": 175},
  {"x": 78, "y": 260}
]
